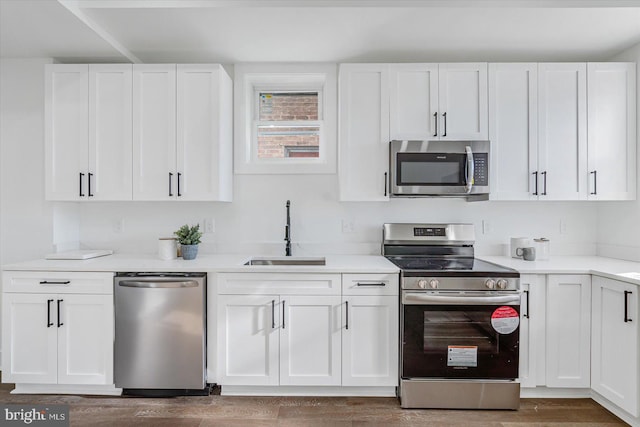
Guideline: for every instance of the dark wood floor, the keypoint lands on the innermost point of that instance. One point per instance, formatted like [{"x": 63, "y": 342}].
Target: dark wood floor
[{"x": 309, "y": 411}]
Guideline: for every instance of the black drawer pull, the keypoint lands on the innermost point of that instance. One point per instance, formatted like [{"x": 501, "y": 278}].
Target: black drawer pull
[
  {"x": 49, "y": 324},
  {"x": 347, "y": 303},
  {"x": 371, "y": 284},
  {"x": 273, "y": 314},
  {"x": 527, "y": 313},
  {"x": 46, "y": 282},
  {"x": 445, "y": 124},
  {"x": 626, "y": 306},
  {"x": 535, "y": 193},
  {"x": 170, "y": 178},
  {"x": 89, "y": 184},
  {"x": 283, "y": 301},
  {"x": 81, "y": 176},
  {"x": 59, "y": 322}
]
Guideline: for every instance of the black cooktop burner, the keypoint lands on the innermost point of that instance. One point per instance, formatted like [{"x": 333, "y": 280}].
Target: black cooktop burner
[{"x": 432, "y": 265}]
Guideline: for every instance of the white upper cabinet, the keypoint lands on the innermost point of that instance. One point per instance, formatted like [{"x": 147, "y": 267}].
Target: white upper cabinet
[
  {"x": 438, "y": 101},
  {"x": 363, "y": 161},
  {"x": 462, "y": 102},
  {"x": 88, "y": 132},
  {"x": 562, "y": 131},
  {"x": 182, "y": 133},
  {"x": 513, "y": 109},
  {"x": 611, "y": 110},
  {"x": 154, "y": 132}
]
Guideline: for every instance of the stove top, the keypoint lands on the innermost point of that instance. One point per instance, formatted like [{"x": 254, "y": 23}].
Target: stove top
[{"x": 434, "y": 266}]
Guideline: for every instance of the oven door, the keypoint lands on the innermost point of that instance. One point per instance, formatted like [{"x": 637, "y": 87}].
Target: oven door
[{"x": 468, "y": 335}]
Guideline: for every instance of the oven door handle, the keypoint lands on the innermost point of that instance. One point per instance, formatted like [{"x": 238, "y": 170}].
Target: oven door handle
[
  {"x": 469, "y": 171},
  {"x": 426, "y": 299}
]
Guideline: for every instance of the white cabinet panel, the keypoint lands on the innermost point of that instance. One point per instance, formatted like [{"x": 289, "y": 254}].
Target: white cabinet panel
[
  {"x": 463, "y": 101},
  {"x": 370, "y": 341},
  {"x": 532, "y": 320},
  {"x": 66, "y": 112},
  {"x": 248, "y": 339},
  {"x": 364, "y": 132},
  {"x": 154, "y": 132},
  {"x": 413, "y": 101},
  {"x": 614, "y": 369},
  {"x": 568, "y": 330},
  {"x": 513, "y": 120},
  {"x": 85, "y": 352},
  {"x": 29, "y": 339},
  {"x": 611, "y": 109},
  {"x": 310, "y": 340},
  {"x": 562, "y": 131}
]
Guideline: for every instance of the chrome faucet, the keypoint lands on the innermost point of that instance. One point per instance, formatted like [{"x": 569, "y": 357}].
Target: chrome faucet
[{"x": 287, "y": 231}]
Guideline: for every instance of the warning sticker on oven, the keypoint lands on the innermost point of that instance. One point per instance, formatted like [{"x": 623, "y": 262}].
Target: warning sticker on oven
[
  {"x": 505, "y": 320},
  {"x": 462, "y": 355}
]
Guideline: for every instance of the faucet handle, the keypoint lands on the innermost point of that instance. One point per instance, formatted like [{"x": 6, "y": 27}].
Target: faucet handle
[{"x": 286, "y": 232}]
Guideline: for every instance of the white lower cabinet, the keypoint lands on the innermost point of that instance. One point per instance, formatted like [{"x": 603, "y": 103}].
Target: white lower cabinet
[
  {"x": 531, "y": 329},
  {"x": 614, "y": 336},
  {"x": 568, "y": 330},
  {"x": 57, "y": 338}
]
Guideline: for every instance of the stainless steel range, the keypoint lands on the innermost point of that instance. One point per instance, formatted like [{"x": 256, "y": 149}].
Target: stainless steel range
[{"x": 459, "y": 321}]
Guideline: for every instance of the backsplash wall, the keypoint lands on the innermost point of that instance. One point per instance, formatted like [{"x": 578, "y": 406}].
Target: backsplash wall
[{"x": 254, "y": 222}]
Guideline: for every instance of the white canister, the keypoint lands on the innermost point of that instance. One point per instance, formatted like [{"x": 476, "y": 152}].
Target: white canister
[
  {"x": 542, "y": 248},
  {"x": 167, "y": 248},
  {"x": 518, "y": 242}
]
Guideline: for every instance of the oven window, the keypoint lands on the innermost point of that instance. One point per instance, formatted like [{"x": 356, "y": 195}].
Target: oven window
[
  {"x": 459, "y": 342},
  {"x": 430, "y": 169}
]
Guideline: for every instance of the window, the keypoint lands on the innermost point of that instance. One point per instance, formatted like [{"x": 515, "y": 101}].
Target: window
[{"x": 285, "y": 118}]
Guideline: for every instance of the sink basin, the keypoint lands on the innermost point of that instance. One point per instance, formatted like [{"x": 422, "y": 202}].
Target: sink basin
[{"x": 296, "y": 261}]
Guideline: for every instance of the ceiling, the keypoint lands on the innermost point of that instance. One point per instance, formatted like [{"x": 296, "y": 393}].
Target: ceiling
[{"x": 232, "y": 31}]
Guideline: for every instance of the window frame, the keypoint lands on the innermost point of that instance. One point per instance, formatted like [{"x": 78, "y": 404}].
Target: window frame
[{"x": 253, "y": 79}]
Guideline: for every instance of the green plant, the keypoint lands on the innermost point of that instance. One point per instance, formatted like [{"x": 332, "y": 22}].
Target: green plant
[{"x": 189, "y": 235}]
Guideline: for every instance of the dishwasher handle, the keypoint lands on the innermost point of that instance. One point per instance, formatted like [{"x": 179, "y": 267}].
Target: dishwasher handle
[{"x": 159, "y": 284}]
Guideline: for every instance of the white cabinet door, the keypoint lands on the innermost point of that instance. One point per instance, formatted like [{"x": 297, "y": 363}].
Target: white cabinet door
[
  {"x": 154, "y": 132},
  {"x": 568, "y": 330},
  {"x": 513, "y": 121},
  {"x": 413, "y": 105},
  {"x": 204, "y": 163},
  {"x": 248, "y": 339},
  {"x": 611, "y": 110},
  {"x": 562, "y": 131},
  {"x": 110, "y": 124},
  {"x": 532, "y": 318},
  {"x": 614, "y": 368},
  {"x": 310, "y": 340},
  {"x": 363, "y": 162},
  {"x": 85, "y": 339},
  {"x": 462, "y": 99},
  {"x": 370, "y": 341},
  {"x": 66, "y": 113},
  {"x": 29, "y": 338}
]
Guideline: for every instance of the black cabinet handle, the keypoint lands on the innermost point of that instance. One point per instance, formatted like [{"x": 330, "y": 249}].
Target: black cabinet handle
[
  {"x": 283, "y": 301},
  {"x": 527, "y": 305},
  {"x": 445, "y": 124},
  {"x": 179, "y": 175},
  {"x": 535, "y": 193},
  {"x": 49, "y": 324},
  {"x": 347, "y": 303},
  {"x": 59, "y": 322},
  {"x": 273, "y": 314},
  {"x": 81, "y": 176},
  {"x": 46, "y": 282},
  {"x": 371, "y": 284},
  {"x": 435, "y": 117},
  {"x": 595, "y": 181},
  {"x": 385, "y": 184},
  {"x": 170, "y": 179},
  {"x": 89, "y": 184},
  {"x": 544, "y": 174},
  {"x": 626, "y": 306}
]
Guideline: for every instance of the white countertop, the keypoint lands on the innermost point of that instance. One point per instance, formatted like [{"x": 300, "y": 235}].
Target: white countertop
[
  {"x": 206, "y": 263},
  {"x": 600, "y": 266}
]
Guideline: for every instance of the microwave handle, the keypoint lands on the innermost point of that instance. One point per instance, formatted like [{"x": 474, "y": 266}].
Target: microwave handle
[{"x": 469, "y": 170}]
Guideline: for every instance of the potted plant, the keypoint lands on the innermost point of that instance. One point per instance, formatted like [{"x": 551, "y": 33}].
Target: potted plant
[{"x": 189, "y": 238}]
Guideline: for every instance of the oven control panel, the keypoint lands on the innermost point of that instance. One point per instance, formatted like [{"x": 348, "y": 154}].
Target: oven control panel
[
  {"x": 429, "y": 231},
  {"x": 461, "y": 283}
]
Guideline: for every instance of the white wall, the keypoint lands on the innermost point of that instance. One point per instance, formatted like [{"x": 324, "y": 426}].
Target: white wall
[{"x": 619, "y": 222}]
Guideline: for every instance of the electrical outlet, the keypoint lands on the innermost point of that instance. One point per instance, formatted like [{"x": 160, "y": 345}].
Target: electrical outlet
[
  {"x": 348, "y": 226},
  {"x": 209, "y": 225},
  {"x": 486, "y": 227},
  {"x": 118, "y": 225},
  {"x": 563, "y": 227}
]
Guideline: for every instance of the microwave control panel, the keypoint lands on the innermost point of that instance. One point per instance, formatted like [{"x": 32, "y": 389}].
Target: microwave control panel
[{"x": 480, "y": 169}]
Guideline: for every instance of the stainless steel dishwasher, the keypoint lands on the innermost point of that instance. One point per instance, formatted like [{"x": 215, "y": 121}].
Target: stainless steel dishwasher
[{"x": 160, "y": 342}]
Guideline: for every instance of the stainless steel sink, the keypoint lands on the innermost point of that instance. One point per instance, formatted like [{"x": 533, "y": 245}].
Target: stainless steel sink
[{"x": 295, "y": 261}]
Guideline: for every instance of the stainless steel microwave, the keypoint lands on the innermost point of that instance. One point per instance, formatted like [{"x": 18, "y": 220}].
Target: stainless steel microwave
[{"x": 439, "y": 168}]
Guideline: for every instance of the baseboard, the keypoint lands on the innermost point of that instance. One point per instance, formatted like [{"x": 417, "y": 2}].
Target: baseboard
[
  {"x": 106, "y": 390},
  {"x": 615, "y": 410},
  {"x": 555, "y": 393},
  {"x": 237, "y": 390}
]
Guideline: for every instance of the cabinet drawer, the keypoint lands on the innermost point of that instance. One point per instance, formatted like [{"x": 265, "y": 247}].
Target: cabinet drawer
[
  {"x": 370, "y": 284},
  {"x": 278, "y": 283},
  {"x": 60, "y": 282}
]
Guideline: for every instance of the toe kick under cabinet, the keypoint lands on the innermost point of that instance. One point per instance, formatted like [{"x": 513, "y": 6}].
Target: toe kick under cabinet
[
  {"x": 307, "y": 334},
  {"x": 57, "y": 332}
]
